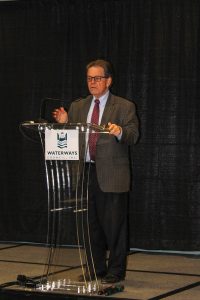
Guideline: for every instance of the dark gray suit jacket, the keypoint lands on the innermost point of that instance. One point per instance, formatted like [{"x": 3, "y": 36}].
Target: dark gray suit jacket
[{"x": 112, "y": 156}]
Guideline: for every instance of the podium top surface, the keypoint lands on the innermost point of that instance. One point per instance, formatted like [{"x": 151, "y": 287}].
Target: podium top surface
[{"x": 83, "y": 127}]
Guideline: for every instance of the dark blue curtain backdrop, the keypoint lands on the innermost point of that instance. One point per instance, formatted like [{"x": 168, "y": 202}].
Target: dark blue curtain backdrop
[{"x": 154, "y": 47}]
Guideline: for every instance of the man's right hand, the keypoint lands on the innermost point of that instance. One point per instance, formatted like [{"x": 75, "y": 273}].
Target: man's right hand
[{"x": 60, "y": 115}]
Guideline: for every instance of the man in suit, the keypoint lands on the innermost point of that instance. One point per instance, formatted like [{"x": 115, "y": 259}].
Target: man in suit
[{"x": 110, "y": 169}]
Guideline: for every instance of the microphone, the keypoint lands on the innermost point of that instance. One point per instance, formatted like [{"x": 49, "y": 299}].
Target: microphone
[{"x": 111, "y": 290}]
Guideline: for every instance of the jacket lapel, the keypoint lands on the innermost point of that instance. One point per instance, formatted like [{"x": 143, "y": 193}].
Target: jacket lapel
[
  {"x": 108, "y": 110},
  {"x": 85, "y": 109}
]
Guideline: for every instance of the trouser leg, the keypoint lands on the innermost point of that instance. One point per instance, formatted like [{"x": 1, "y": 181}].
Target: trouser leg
[{"x": 108, "y": 228}]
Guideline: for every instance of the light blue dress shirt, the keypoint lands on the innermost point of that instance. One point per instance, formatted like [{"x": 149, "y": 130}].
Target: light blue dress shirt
[{"x": 103, "y": 99}]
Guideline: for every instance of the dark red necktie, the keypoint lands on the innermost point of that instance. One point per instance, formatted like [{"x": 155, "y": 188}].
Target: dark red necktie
[{"x": 93, "y": 136}]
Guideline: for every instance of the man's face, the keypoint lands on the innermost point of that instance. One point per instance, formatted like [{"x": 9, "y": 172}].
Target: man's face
[{"x": 99, "y": 86}]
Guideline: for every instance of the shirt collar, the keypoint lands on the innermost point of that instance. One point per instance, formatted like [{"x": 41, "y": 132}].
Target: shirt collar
[{"x": 103, "y": 98}]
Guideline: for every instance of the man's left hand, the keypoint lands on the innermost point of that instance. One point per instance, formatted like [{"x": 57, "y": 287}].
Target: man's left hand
[{"x": 114, "y": 129}]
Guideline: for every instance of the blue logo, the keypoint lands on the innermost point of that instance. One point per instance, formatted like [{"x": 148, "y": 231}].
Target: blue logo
[{"x": 62, "y": 140}]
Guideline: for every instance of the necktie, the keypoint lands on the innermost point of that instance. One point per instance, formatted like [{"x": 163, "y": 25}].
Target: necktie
[{"x": 94, "y": 136}]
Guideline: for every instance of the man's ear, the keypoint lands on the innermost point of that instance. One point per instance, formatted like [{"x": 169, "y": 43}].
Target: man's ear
[{"x": 109, "y": 82}]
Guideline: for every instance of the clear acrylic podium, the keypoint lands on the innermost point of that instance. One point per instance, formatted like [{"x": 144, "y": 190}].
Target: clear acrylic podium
[{"x": 67, "y": 229}]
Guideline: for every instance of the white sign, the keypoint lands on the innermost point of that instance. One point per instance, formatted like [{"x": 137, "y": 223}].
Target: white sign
[{"x": 61, "y": 144}]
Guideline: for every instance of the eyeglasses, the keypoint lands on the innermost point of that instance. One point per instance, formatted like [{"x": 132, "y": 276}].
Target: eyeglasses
[{"x": 96, "y": 78}]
